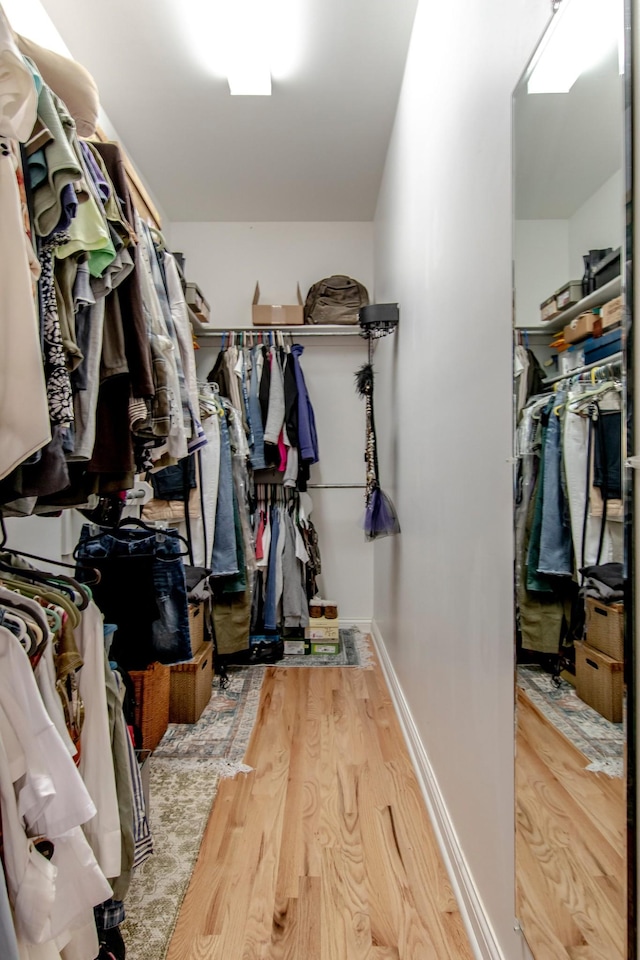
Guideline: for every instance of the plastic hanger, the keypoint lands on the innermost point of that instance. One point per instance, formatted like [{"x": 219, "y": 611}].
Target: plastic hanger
[{"x": 157, "y": 531}]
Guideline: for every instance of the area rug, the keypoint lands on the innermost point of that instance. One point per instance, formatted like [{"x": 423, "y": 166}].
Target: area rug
[
  {"x": 355, "y": 651},
  {"x": 182, "y": 794},
  {"x": 185, "y": 770},
  {"x": 599, "y": 740}
]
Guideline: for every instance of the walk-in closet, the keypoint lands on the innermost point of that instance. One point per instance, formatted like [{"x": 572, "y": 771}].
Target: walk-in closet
[{"x": 317, "y": 460}]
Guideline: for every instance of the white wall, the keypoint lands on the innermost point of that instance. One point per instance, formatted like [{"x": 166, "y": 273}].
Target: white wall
[
  {"x": 443, "y": 589},
  {"x": 548, "y": 253},
  {"x": 599, "y": 223},
  {"x": 226, "y": 259},
  {"x": 541, "y": 253}
]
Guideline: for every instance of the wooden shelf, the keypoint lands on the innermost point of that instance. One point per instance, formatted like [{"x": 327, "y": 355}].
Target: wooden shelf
[{"x": 596, "y": 299}]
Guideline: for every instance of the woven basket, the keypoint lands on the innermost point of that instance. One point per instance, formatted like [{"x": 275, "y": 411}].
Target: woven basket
[
  {"x": 153, "y": 691},
  {"x": 600, "y": 681},
  {"x": 605, "y": 627}
]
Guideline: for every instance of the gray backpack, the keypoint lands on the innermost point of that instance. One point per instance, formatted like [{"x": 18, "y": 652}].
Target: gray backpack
[{"x": 335, "y": 300}]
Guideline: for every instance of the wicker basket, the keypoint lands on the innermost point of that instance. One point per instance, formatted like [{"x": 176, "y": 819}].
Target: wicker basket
[
  {"x": 605, "y": 627},
  {"x": 153, "y": 690},
  {"x": 600, "y": 681},
  {"x": 191, "y": 685},
  {"x": 197, "y": 614}
]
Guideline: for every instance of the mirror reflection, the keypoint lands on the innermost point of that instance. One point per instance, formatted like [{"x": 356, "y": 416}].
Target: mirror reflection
[{"x": 569, "y": 504}]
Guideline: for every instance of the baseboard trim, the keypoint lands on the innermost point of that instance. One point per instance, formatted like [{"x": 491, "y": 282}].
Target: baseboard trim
[
  {"x": 481, "y": 934},
  {"x": 363, "y": 625}
]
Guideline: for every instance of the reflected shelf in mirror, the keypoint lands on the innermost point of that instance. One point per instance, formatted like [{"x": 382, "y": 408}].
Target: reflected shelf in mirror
[{"x": 596, "y": 299}]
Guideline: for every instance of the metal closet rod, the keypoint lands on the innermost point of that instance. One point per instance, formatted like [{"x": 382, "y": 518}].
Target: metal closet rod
[
  {"x": 300, "y": 330},
  {"x": 336, "y": 486}
]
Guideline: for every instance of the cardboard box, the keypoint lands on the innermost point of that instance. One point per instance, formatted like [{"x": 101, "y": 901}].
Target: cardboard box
[
  {"x": 580, "y": 328},
  {"x": 294, "y": 648},
  {"x": 600, "y": 681},
  {"x": 549, "y": 309},
  {"x": 325, "y": 647},
  {"x": 275, "y": 314},
  {"x": 611, "y": 313},
  {"x": 569, "y": 295},
  {"x": 322, "y": 629},
  {"x": 191, "y": 685},
  {"x": 196, "y": 626},
  {"x": 197, "y": 302},
  {"x": 605, "y": 627}
]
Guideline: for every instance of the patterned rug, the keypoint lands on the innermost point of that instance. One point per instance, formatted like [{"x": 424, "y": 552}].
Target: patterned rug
[
  {"x": 601, "y": 741},
  {"x": 185, "y": 770}
]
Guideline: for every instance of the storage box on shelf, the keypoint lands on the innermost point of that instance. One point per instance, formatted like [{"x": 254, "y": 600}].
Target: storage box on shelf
[
  {"x": 580, "y": 327},
  {"x": 600, "y": 681},
  {"x": 611, "y": 313},
  {"x": 605, "y": 627},
  {"x": 599, "y": 348},
  {"x": 555, "y": 320},
  {"x": 276, "y": 314},
  {"x": 152, "y": 692},
  {"x": 197, "y": 302},
  {"x": 191, "y": 684}
]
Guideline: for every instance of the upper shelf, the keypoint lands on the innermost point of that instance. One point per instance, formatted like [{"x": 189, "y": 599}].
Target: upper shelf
[{"x": 595, "y": 299}]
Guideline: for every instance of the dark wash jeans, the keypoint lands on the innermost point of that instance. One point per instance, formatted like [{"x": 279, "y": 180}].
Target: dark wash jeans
[{"x": 143, "y": 590}]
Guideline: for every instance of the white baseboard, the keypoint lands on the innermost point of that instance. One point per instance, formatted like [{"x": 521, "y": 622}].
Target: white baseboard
[
  {"x": 481, "y": 935},
  {"x": 363, "y": 625}
]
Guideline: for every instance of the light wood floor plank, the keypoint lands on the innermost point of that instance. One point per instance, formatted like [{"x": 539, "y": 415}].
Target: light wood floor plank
[
  {"x": 325, "y": 851},
  {"x": 570, "y": 850}
]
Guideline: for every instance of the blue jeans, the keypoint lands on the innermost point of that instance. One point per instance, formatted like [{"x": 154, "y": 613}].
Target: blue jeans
[
  {"x": 270, "y": 612},
  {"x": 555, "y": 534},
  {"x": 255, "y": 417},
  {"x": 224, "y": 558},
  {"x": 143, "y": 590}
]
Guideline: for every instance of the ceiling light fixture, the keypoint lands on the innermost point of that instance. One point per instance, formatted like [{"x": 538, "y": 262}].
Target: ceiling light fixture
[
  {"x": 580, "y": 35},
  {"x": 236, "y": 39}
]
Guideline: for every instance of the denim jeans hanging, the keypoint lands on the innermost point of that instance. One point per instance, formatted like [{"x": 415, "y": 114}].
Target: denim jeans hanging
[
  {"x": 555, "y": 535},
  {"x": 142, "y": 590},
  {"x": 224, "y": 561}
]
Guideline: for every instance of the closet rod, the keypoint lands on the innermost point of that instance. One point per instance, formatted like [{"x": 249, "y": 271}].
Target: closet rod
[
  {"x": 300, "y": 330},
  {"x": 336, "y": 486},
  {"x": 613, "y": 360}
]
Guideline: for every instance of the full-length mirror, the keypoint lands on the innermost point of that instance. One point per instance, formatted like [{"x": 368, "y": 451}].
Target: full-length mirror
[{"x": 571, "y": 585}]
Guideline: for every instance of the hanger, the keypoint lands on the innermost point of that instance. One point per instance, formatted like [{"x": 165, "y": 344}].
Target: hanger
[
  {"x": 57, "y": 581},
  {"x": 158, "y": 239},
  {"x": 44, "y": 577},
  {"x": 158, "y": 532}
]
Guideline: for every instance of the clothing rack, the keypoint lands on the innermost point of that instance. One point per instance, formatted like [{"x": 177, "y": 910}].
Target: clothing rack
[
  {"x": 336, "y": 486},
  {"x": 615, "y": 360},
  {"x": 255, "y": 335}
]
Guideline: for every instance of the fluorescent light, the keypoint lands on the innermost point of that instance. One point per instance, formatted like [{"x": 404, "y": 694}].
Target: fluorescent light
[
  {"x": 247, "y": 79},
  {"x": 580, "y": 35},
  {"x": 246, "y": 41}
]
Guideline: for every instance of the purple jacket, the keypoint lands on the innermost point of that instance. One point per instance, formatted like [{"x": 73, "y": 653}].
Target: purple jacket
[{"x": 307, "y": 434}]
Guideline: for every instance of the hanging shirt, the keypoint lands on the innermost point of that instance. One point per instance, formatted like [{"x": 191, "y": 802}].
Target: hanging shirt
[{"x": 24, "y": 418}]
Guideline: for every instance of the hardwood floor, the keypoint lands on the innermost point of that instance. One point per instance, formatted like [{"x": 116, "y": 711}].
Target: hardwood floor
[
  {"x": 325, "y": 851},
  {"x": 570, "y": 847}
]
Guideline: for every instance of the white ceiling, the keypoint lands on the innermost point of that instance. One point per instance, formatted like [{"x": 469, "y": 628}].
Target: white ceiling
[{"x": 314, "y": 150}]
